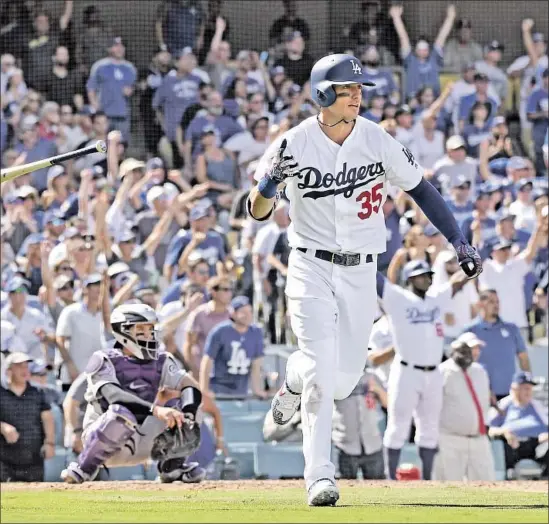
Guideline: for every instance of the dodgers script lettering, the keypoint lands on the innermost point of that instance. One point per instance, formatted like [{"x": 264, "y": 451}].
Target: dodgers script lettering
[{"x": 345, "y": 182}]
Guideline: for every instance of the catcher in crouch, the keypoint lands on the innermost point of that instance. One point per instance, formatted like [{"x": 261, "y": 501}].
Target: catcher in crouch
[{"x": 125, "y": 422}]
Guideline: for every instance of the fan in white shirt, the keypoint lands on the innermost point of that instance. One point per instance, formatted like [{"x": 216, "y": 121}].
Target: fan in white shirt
[
  {"x": 505, "y": 274},
  {"x": 249, "y": 146},
  {"x": 523, "y": 207}
]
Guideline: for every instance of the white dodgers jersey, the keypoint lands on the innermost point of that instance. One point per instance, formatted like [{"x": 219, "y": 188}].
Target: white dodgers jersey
[
  {"x": 416, "y": 323},
  {"x": 336, "y": 199}
]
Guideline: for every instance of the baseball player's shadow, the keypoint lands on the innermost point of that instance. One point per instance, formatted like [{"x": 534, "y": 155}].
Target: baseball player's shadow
[{"x": 442, "y": 505}]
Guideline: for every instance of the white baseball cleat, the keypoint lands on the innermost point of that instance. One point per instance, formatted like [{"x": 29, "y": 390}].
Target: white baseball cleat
[
  {"x": 284, "y": 405},
  {"x": 323, "y": 492}
]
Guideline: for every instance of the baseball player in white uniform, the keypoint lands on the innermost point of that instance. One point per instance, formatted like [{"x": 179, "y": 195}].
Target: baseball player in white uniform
[
  {"x": 415, "y": 382},
  {"x": 335, "y": 167}
]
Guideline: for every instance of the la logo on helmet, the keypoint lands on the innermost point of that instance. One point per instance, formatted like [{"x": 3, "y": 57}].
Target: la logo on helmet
[{"x": 357, "y": 70}]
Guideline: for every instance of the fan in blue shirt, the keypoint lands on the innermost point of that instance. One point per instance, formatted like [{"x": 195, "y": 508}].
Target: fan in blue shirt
[
  {"x": 110, "y": 87},
  {"x": 522, "y": 422},
  {"x": 233, "y": 354},
  {"x": 467, "y": 102},
  {"x": 209, "y": 246},
  {"x": 503, "y": 344},
  {"x": 422, "y": 65},
  {"x": 459, "y": 201},
  {"x": 179, "y": 90}
]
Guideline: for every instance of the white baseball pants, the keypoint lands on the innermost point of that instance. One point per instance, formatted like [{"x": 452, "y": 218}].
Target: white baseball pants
[
  {"x": 332, "y": 311},
  {"x": 463, "y": 458},
  {"x": 413, "y": 393}
]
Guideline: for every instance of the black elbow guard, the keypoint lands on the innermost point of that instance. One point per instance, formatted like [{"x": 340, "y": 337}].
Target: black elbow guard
[{"x": 191, "y": 398}]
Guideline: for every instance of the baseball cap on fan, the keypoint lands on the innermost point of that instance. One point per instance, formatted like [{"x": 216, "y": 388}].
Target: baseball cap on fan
[
  {"x": 495, "y": 45},
  {"x": 455, "y": 142}
]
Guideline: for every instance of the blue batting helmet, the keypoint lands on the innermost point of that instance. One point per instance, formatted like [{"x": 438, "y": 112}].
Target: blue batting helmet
[{"x": 337, "y": 69}]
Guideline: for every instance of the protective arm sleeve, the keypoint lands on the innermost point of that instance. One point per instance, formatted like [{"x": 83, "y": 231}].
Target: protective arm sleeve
[
  {"x": 380, "y": 284},
  {"x": 432, "y": 204},
  {"x": 113, "y": 394}
]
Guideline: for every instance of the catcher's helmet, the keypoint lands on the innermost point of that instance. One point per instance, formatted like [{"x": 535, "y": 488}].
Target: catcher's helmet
[
  {"x": 128, "y": 315},
  {"x": 337, "y": 69}
]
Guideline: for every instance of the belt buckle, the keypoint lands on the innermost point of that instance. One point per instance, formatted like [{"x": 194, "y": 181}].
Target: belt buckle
[{"x": 338, "y": 259}]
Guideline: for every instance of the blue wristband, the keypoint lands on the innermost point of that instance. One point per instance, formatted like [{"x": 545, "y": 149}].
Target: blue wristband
[{"x": 267, "y": 187}]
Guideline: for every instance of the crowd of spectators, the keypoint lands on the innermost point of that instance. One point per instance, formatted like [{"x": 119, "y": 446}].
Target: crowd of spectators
[{"x": 161, "y": 218}]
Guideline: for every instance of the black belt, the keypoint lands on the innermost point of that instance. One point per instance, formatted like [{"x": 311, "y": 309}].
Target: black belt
[
  {"x": 339, "y": 259},
  {"x": 118, "y": 118},
  {"x": 421, "y": 368}
]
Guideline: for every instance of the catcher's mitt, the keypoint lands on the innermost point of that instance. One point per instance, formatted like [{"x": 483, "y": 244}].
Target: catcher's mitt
[{"x": 177, "y": 442}]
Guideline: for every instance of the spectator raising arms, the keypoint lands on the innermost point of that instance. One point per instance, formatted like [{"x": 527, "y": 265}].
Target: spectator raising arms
[
  {"x": 463, "y": 50},
  {"x": 422, "y": 65}
]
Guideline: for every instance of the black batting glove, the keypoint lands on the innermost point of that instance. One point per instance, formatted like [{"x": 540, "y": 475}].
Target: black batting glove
[{"x": 469, "y": 260}]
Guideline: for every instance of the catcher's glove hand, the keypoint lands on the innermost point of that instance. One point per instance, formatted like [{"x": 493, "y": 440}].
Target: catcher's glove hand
[
  {"x": 283, "y": 166},
  {"x": 177, "y": 441},
  {"x": 469, "y": 260}
]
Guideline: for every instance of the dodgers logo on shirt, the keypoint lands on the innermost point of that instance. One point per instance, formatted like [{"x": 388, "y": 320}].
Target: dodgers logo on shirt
[
  {"x": 415, "y": 315},
  {"x": 345, "y": 182},
  {"x": 504, "y": 333}
]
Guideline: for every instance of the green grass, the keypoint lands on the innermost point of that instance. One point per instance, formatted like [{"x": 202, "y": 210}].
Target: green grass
[{"x": 273, "y": 504}]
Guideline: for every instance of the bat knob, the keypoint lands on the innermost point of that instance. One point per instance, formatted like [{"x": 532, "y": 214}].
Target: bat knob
[{"x": 101, "y": 146}]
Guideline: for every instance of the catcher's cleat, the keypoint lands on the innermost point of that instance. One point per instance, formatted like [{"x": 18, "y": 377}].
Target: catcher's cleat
[
  {"x": 323, "y": 492},
  {"x": 285, "y": 405},
  {"x": 74, "y": 475},
  {"x": 178, "y": 470}
]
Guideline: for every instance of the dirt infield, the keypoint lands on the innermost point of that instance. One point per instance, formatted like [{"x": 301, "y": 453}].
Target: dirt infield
[{"x": 515, "y": 486}]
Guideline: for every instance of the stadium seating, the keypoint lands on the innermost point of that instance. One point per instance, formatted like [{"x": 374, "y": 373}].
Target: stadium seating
[
  {"x": 246, "y": 427},
  {"x": 276, "y": 461},
  {"x": 245, "y": 453}
]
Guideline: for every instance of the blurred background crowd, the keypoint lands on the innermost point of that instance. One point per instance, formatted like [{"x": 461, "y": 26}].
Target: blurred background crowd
[{"x": 161, "y": 218}]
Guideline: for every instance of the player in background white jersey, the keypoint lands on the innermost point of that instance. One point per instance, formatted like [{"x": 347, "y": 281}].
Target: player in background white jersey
[
  {"x": 415, "y": 382},
  {"x": 335, "y": 168}
]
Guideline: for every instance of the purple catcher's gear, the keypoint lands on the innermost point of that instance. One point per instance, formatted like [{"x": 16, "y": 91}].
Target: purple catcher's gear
[{"x": 114, "y": 428}]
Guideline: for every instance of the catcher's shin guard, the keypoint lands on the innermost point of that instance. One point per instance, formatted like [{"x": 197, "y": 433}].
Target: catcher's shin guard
[{"x": 117, "y": 425}]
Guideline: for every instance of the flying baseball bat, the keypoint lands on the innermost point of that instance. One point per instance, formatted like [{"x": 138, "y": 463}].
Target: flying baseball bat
[{"x": 14, "y": 172}]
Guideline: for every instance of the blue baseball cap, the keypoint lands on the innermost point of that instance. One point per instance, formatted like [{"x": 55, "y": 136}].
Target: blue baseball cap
[
  {"x": 55, "y": 217},
  {"x": 430, "y": 231},
  {"x": 415, "y": 268},
  {"x": 198, "y": 212},
  {"x": 522, "y": 183},
  {"x": 238, "y": 302},
  {"x": 523, "y": 377},
  {"x": 155, "y": 163},
  {"x": 17, "y": 284}
]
